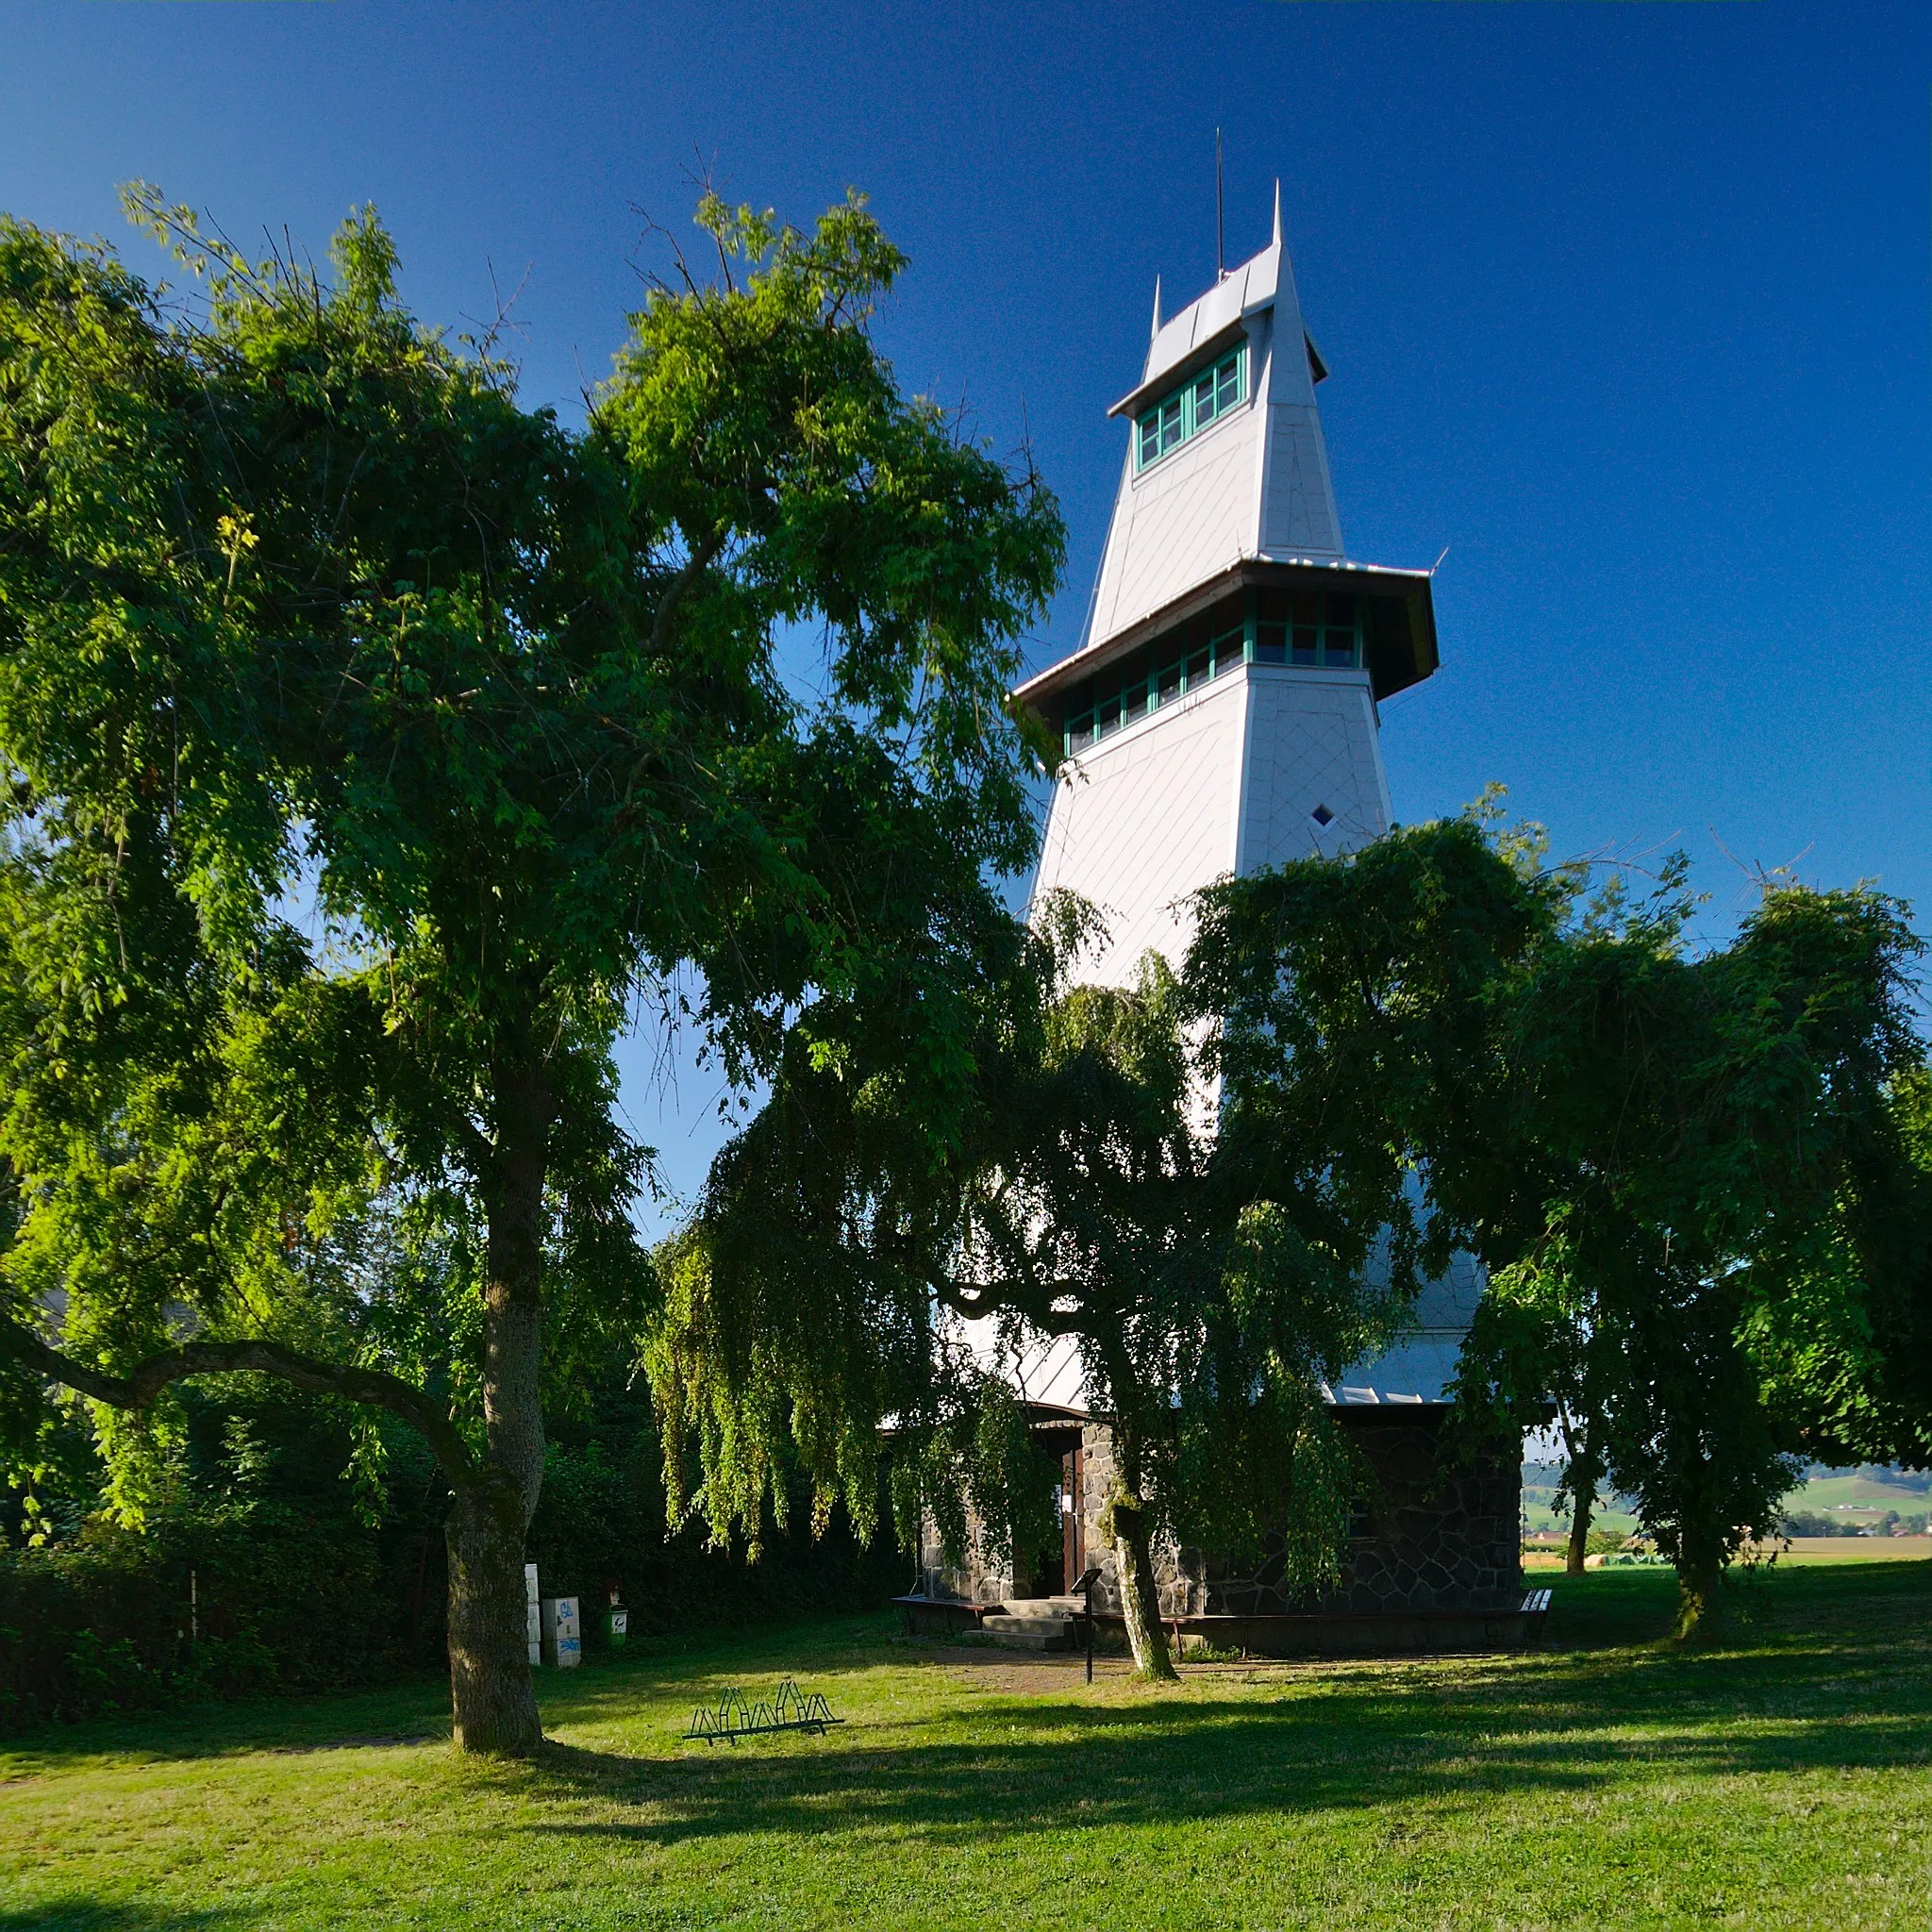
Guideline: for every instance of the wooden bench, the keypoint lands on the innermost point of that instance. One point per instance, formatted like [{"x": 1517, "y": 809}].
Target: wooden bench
[{"x": 941, "y": 1616}]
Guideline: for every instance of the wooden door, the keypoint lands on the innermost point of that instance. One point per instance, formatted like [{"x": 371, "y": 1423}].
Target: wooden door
[{"x": 1073, "y": 1537}]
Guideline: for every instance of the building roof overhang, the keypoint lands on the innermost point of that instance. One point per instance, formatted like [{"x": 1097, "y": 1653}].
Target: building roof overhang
[
  {"x": 1401, "y": 628},
  {"x": 1210, "y": 349}
]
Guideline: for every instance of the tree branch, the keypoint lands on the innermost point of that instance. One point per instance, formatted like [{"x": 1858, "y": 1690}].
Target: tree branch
[
  {"x": 140, "y": 1389},
  {"x": 980, "y": 1299},
  {"x": 694, "y": 567}
]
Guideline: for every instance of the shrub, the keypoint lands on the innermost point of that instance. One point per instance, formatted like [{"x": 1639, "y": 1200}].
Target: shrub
[
  {"x": 255, "y": 1573},
  {"x": 209, "y": 1602}
]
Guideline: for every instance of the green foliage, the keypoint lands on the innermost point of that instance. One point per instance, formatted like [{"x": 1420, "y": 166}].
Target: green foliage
[
  {"x": 975, "y": 1472},
  {"x": 1693, "y": 1179},
  {"x": 1084, "y": 1199},
  {"x": 303, "y": 1574},
  {"x": 283, "y": 1601},
  {"x": 297, "y": 602}
]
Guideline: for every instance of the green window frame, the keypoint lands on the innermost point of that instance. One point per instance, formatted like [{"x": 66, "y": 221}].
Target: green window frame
[
  {"x": 1206, "y": 396},
  {"x": 1318, "y": 631}
]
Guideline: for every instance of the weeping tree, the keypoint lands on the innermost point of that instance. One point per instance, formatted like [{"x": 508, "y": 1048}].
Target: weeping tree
[
  {"x": 1691, "y": 1176},
  {"x": 298, "y": 603},
  {"x": 1210, "y": 1295},
  {"x": 1727, "y": 1129},
  {"x": 1209, "y": 1289}
]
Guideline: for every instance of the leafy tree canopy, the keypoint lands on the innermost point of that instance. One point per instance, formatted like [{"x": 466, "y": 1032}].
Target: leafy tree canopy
[
  {"x": 297, "y": 600},
  {"x": 1211, "y": 1281},
  {"x": 1695, "y": 1174}
]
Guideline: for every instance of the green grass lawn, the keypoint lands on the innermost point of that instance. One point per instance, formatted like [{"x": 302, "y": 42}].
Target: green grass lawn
[{"x": 1781, "y": 1781}]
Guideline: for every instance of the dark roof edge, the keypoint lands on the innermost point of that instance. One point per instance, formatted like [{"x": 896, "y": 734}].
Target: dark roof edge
[{"x": 1414, "y": 588}]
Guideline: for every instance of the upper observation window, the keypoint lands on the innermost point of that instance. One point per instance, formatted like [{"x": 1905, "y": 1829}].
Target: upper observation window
[
  {"x": 1306, "y": 628},
  {"x": 1205, "y": 395}
]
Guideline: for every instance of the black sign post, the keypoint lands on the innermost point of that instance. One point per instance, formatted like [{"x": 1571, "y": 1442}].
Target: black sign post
[{"x": 1083, "y": 1589}]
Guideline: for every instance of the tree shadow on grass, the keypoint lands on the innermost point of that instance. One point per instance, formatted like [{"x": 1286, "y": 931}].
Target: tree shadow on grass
[
  {"x": 1827, "y": 1668},
  {"x": 1229, "y": 1762},
  {"x": 1838, "y": 1698},
  {"x": 394, "y": 1715},
  {"x": 416, "y": 1709}
]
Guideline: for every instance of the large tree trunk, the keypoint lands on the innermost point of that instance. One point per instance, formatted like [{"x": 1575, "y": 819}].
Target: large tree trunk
[
  {"x": 493, "y": 1700},
  {"x": 1579, "y": 1534},
  {"x": 1139, "y": 1593},
  {"x": 1700, "y": 1590},
  {"x": 491, "y": 1694},
  {"x": 1584, "y": 1469}
]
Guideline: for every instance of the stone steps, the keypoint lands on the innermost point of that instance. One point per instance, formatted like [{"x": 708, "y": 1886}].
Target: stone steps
[{"x": 1044, "y": 1622}]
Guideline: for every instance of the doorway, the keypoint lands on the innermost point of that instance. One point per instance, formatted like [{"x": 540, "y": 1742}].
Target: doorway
[{"x": 1072, "y": 1521}]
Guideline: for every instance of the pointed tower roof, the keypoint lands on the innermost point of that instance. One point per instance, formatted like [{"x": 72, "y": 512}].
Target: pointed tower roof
[
  {"x": 1255, "y": 482},
  {"x": 1226, "y": 477}
]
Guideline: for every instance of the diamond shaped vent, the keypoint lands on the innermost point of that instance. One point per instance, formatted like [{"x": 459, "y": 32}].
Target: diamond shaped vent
[{"x": 1322, "y": 816}]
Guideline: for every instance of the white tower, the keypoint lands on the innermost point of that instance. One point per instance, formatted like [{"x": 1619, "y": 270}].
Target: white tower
[{"x": 1221, "y": 712}]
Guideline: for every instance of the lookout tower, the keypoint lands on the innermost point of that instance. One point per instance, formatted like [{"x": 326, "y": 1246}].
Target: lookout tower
[
  {"x": 1221, "y": 713},
  {"x": 1222, "y": 710}
]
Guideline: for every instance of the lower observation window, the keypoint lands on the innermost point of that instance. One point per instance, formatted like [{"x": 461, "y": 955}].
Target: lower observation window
[{"x": 1310, "y": 629}]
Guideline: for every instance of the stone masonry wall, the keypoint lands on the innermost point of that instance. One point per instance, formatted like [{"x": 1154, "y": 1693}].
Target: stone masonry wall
[
  {"x": 1437, "y": 1537},
  {"x": 1434, "y": 1538}
]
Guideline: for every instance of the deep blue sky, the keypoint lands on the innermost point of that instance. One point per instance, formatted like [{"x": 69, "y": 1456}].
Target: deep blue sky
[{"x": 1629, "y": 305}]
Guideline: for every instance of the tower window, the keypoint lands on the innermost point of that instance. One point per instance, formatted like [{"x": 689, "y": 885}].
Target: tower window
[
  {"x": 1306, "y": 628},
  {"x": 1321, "y": 632},
  {"x": 1198, "y": 402}
]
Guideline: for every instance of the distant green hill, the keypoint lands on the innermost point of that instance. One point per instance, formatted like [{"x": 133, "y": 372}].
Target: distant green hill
[
  {"x": 1539, "y": 1503},
  {"x": 1864, "y": 1498},
  {"x": 1828, "y": 1501}
]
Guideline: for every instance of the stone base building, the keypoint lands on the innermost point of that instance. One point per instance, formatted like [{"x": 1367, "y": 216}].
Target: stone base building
[
  {"x": 1434, "y": 1555},
  {"x": 1434, "y": 1560}
]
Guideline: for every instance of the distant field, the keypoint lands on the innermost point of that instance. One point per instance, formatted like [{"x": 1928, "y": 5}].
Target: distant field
[
  {"x": 1860, "y": 1496},
  {"x": 1542, "y": 1520},
  {"x": 1539, "y": 1516},
  {"x": 1802, "y": 1549},
  {"x": 1782, "y": 1780},
  {"x": 1857, "y": 1498},
  {"x": 1864, "y": 1549}
]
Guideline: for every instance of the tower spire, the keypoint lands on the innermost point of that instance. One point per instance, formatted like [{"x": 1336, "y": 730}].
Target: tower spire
[
  {"x": 1156, "y": 330},
  {"x": 1277, "y": 210},
  {"x": 1220, "y": 246}
]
